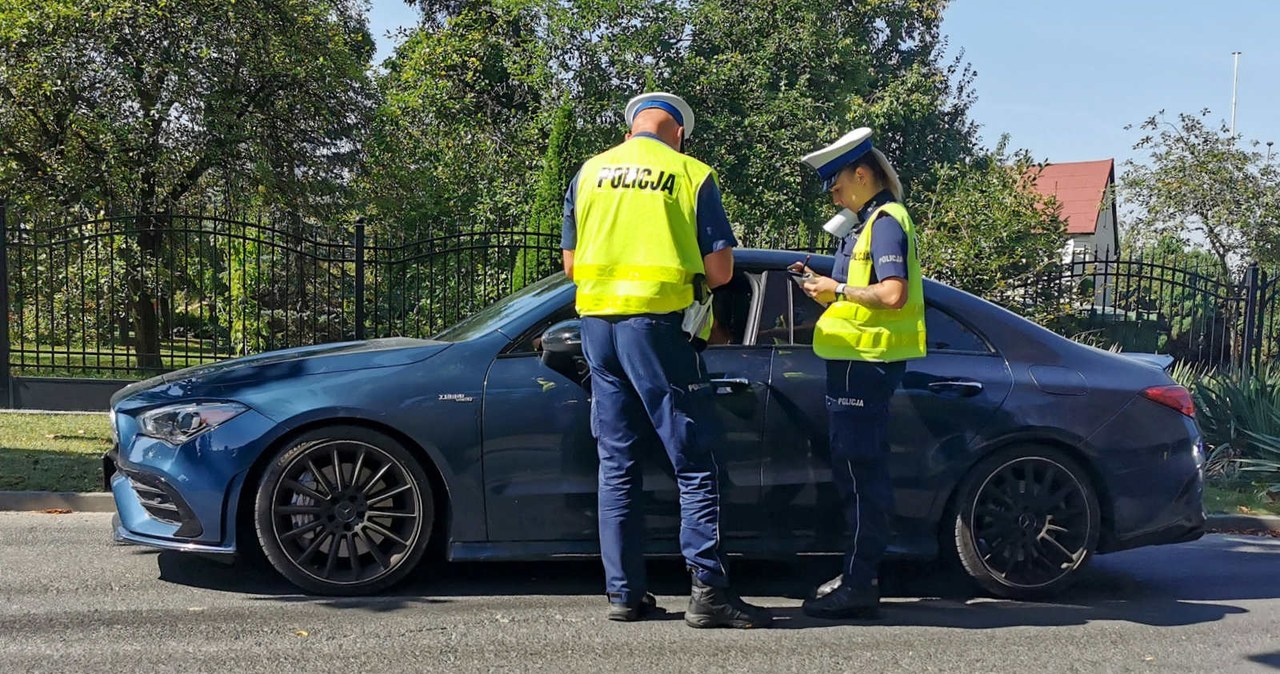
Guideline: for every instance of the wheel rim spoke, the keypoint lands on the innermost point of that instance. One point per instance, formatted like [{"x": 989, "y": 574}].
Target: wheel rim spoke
[
  {"x": 388, "y": 494},
  {"x": 299, "y": 510},
  {"x": 332, "y": 561},
  {"x": 301, "y": 530},
  {"x": 382, "y": 513},
  {"x": 337, "y": 469},
  {"x": 311, "y": 549},
  {"x": 321, "y": 480},
  {"x": 375, "y": 551},
  {"x": 354, "y": 551},
  {"x": 305, "y": 490},
  {"x": 374, "y": 480},
  {"x": 385, "y": 532},
  {"x": 355, "y": 474}
]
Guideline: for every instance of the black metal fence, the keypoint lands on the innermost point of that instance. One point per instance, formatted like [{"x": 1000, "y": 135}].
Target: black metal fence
[
  {"x": 1185, "y": 305},
  {"x": 121, "y": 297}
]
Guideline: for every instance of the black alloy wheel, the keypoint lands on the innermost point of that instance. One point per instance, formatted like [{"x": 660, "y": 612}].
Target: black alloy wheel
[
  {"x": 344, "y": 510},
  {"x": 1026, "y": 521}
]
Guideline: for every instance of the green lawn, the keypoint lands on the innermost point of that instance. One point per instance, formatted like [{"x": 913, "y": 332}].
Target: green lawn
[
  {"x": 52, "y": 452},
  {"x": 107, "y": 361},
  {"x": 1238, "y": 501}
]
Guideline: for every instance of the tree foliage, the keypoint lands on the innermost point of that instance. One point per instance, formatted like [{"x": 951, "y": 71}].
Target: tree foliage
[
  {"x": 148, "y": 106},
  {"x": 1200, "y": 182},
  {"x": 984, "y": 227},
  {"x": 472, "y": 96},
  {"x": 134, "y": 101}
]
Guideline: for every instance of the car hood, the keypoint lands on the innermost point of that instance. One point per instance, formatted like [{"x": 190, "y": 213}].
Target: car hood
[{"x": 301, "y": 361}]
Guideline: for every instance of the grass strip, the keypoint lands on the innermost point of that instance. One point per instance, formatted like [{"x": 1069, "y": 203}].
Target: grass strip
[{"x": 52, "y": 452}]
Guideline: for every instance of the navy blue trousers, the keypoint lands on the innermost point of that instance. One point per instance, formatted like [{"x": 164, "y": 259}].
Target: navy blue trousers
[
  {"x": 646, "y": 377},
  {"x": 858, "y": 395}
]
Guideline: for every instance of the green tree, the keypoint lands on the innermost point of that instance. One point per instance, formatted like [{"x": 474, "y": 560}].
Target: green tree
[
  {"x": 146, "y": 105},
  {"x": 1198, "y": 182},
  {"x": 474, "y": 94},
  {"x": 985, "y": 229},
  {"x": 548, "y": 201}
]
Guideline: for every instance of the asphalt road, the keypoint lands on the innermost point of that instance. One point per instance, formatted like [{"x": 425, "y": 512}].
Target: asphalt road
[{"x": 72, "y": 601}]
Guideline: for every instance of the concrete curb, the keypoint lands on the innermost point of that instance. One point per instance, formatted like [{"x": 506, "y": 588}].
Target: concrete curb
[
  {"x": 87, "y": 502},
  {"x": 1239, "y": 523}
]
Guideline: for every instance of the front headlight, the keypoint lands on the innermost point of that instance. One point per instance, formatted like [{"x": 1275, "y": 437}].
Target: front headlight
[{"x": 176, "y": 424}]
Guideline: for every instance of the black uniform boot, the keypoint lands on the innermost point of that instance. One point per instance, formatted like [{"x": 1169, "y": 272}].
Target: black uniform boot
[
  {"x": 845, "y": 601},
  {"x": 631, "y": 612},
  {"x": 720, "y": 607}
]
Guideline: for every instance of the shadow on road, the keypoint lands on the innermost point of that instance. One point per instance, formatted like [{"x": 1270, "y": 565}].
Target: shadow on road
[
  {"x": 1270, "y": 659},
  {"x": 1161, "y": 586}
]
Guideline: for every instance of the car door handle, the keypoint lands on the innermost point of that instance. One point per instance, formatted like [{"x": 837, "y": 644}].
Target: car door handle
[
  {"x": 964, "y": 388},
  {"x": 733, "y": 385}
]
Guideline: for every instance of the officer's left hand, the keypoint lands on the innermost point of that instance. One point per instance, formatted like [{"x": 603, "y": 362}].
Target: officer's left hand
[{"x": 821, "y": 288}]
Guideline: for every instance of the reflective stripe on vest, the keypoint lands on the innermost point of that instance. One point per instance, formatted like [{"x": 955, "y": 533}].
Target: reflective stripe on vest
[
  {"x": 849, "y": 331},
  {"x": 636, "y": 213}
]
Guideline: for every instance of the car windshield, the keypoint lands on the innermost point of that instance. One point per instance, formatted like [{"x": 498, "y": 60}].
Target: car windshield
[{"x": 505, "y": 309}]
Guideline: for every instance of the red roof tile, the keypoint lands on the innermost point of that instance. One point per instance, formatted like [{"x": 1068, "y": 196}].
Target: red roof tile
[{"x": 1080, "y": 188}]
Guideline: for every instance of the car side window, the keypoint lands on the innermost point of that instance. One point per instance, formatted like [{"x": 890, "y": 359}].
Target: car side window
[
  {"x": 731, "y": 308},
  {"x": 530, "y": 342},
  {"x": 775, "y": 310},
  {"x": 807, "y": 312},
  {"x": 945, "y": 333}
]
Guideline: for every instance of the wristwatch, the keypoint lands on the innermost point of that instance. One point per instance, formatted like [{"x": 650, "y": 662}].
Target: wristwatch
[{"x": 840, "y": 290}]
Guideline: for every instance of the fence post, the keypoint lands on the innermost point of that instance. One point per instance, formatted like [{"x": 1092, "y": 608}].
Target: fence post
[
  {"x": 6, "y": 394},
  {"x": 1252, "y": 287},
  {"x": 360, "y": 277}
]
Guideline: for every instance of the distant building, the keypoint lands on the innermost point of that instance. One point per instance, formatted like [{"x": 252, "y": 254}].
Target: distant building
[{"x": 1086, "y": 192}]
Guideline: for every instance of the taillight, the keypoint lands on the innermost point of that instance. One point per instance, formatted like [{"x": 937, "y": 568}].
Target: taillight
[{"x": 1172, "y": 396}]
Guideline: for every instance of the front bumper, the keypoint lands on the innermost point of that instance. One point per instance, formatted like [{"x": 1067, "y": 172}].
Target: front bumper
[
  {"x": 126, "y": 537},
  {"x": 182, "y": 498}
]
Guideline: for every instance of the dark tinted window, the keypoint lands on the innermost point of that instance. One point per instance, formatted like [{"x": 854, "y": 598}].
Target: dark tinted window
[
  {"x": 947, "y": 334},
  {"x": 775, "y": 310},
  {"x": 807, "y": 311}
]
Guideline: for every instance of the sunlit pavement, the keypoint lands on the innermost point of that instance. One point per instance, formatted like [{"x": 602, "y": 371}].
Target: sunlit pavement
[{"x": 70, "y": 600}]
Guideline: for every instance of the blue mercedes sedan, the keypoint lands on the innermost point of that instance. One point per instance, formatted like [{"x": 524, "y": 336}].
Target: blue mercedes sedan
[{"x": 1017, "y": 454}]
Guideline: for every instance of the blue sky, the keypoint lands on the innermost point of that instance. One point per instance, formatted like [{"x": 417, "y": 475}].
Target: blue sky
[{"x": 1064, "y": 77}]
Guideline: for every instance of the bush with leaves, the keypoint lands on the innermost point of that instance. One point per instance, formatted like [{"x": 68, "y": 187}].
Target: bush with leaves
[
  {"x": 984, "y": 229},
  {"x": 1239, "y": 416}
]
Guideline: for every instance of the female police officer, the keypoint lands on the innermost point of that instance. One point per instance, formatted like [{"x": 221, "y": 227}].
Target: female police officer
[{"x": 874, "y": 322}]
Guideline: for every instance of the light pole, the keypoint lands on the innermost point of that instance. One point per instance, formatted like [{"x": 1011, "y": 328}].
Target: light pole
[
  {"x": 1235, "y": 79},
  {"x": 1269, "y": 144}
]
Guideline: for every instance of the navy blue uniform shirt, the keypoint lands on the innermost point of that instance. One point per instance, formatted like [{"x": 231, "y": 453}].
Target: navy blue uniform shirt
[
  {"x": 714, "y": 232},
  {"x": 888, "y": 244}
]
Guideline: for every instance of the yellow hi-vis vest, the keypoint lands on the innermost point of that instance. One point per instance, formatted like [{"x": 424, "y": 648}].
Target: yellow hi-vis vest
[
  {"x": 849, "y": 331},
  {"x": 636, "y": 211}
]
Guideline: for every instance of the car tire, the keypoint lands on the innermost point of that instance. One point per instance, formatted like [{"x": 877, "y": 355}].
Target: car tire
[
  {"x": 357, "y": 529},
  {"x": 1026, "y": 520}
]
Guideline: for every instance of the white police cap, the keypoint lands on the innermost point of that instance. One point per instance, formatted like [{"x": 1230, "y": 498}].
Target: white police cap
[
  {"x": 671, "y": 103},
  {"x": 852, "y": 146}
]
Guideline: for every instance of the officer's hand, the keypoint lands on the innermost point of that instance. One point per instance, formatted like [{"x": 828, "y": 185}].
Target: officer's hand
[{"x": 821, "y": 288}]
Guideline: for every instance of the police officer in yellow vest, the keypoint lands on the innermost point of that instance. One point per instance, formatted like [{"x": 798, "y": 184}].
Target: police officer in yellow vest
[
  {"x": 873, "y": 324},
  {"x": 643, "y": 225}
]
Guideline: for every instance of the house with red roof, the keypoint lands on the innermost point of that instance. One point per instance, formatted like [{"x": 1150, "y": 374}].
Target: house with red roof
[{"x": 1085, "y": 191}]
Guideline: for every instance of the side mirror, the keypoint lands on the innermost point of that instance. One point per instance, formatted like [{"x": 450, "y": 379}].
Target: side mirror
[{"x": 562, "y": 350}]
